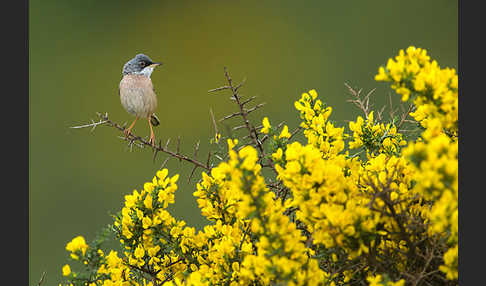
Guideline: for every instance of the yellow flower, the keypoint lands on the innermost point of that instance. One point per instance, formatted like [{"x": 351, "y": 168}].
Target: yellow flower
[
  {"x": 313, "y": 94},
  {"x": 78, "y": 243},
  {"x": 139, "y": 252},
  {"x": 381, "y": 76},
  {"x": 66, "y": 270},
  {"x": 277, "y": 155},
  {"x": 146, "y": 222},
  {"x": 148, "y": 202},
  {"x": 162, "y": 173},
  {"x": 266, "y": 126},
  {"x": 232, "y": 143},
  {"x": 217, "y": 137},
  {"x": 285, "y": 132}
]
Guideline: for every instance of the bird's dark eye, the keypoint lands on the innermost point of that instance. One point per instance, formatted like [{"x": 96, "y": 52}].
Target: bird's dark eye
[{"x": 142, "y": 64}]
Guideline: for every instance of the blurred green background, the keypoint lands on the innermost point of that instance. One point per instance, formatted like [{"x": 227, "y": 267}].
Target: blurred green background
[{"x": 283, "y": 48}]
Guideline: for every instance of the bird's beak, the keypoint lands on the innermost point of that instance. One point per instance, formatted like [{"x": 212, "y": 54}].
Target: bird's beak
[{"x": 155, "y": 64}]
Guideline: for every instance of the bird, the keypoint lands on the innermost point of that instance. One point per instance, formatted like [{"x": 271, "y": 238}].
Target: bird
[{"x": 137, "y": 93}]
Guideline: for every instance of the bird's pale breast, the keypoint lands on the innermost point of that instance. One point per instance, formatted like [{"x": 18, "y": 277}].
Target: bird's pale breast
[{"x": 137, "y": 95}]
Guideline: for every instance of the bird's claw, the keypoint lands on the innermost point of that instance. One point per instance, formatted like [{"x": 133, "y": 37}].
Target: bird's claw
[
  {"x": 127, "y": 133},
  {"x": 152, "y": 141}
]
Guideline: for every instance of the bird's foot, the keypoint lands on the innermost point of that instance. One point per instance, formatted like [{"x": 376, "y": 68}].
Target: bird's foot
[
  {"x": 152, "y": 140},
  {"x": 127, "y": 132}
]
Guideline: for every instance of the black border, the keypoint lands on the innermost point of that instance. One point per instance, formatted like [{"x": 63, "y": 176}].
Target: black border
[
  {"x": 15, "y": 140},
  {"x": 471, "y": 143}
]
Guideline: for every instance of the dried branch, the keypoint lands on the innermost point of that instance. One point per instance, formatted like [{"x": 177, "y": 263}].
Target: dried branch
[
  {"x": 243, "y": 113},
  {"x": 362, "y": 103},
  {"x": 42, "y": 278},
  {"x": 248, "y": 100},
  {"x": 165, "y": 162},
  {"x": 255, "y": 107},
  {"x": 178, "y": 145},
  {"x": 167, "y": 144},
  {"x": 214, "y": 121},
  {"x": 403, "y": 117},
  {"x": 209, "y": 158},
  {"x": 134, "y": 139},
  {"x": 219, "y": 88},
  {"x": 230, "y": 116},
  {"x": 92, "y": 124}
]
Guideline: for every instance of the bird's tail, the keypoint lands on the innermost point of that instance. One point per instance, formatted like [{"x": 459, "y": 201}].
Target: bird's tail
[{"x": 154, "y": 120}]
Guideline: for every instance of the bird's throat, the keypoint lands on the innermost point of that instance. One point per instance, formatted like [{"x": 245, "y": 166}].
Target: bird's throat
[{"x": 147, "y": 71}]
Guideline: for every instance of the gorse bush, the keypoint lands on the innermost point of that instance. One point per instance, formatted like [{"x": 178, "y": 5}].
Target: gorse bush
[{"x": 369, "y": 205}]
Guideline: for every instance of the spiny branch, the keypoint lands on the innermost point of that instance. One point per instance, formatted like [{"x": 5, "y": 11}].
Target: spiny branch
[
  {"x": 243, "y": 112},
  {"x": 362, "y": 103},
  {"x": 132, "y": 139},
  {"x": 42, "y": 278}
]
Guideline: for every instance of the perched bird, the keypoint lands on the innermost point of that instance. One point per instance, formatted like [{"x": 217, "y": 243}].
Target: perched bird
[{"x": 137, "y": 92}]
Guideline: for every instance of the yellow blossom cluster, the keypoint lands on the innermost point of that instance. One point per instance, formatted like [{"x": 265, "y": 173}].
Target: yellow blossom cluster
[
  {"x": 375, "y": 137},
  {"x": 236, "y": 193},
  {"x": 322, "y": 218},
  {"x": 435, "y": 155},
  {"x": 436, "y": 162},
  {"x": 349, "y": 206},
  {"x": 435, "y": 90},
  {"x": 77, "y": 247},
  {"x": 319, "y": 132}
]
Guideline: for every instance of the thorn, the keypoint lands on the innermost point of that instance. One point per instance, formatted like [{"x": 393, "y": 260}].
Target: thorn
[
  {"x": 240, "y": 84},
  {"x": 165, "y": 162},
  {"x": 196, "y": 149},
  {"x": 264, "y": 138},
  {"x": 155, "y": 154},
  {"x": 238, "y": 127},
  {"x": 248, "y": 100},
  {"x": 214, "y": 121},
  {"x": 230, "y": 116},
  {"x": 255, "y": 107},
  {"x": 219, "y": 88},
  {"x": 167, "y": 144},
  {"x": 42, "y": 278},
  {"x": 209, "y": 157},
  {"x": 178, "y": 146},
  {"x": 192, "y": 173}
]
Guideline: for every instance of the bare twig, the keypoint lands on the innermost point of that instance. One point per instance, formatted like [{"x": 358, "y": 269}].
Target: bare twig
[
  {"x": 42, "y": 278},
  {"x": 209, "y": 158},
  {"x": 248, "y": 100},
  {"x": 295, "y": 132},
  {"x": 167, "y": 144},
  {"x": 230, "y": 116},
  {"x": 178, "y": 146},
  {"x": 196, "y": 149},
  {"x": 141, "y": 142},
  {"x": 165, "y": 162},
  {"x": 243, "y": 112},
  {"x": 92, "y": 124},
  {"x": 214, "y": 121},
  {"x": 361, "y": 103},
  {"x": 219, "y": 88},
  {"x": 403, "y": 117},
  {"x": 192, "y": 173},
  {"x": 255, "y": 107}
]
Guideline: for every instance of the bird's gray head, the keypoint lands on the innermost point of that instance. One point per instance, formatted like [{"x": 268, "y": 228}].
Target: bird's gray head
[{"x": 140, "y": 64}]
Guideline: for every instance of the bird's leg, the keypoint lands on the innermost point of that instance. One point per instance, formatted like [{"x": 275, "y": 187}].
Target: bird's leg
[
  {"x": 128, "y": 131},
  {"x": 152, "y": 136}
]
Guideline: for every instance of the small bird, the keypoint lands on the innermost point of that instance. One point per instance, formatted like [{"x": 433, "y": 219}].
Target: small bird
[{"x": 137, "y": 92}]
